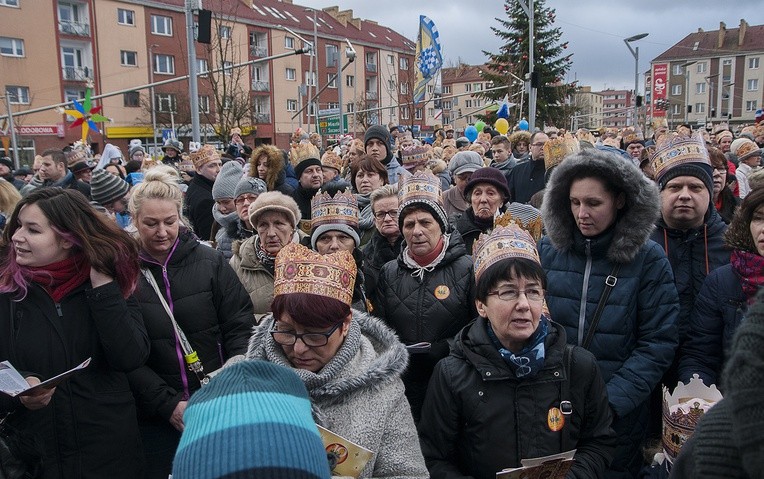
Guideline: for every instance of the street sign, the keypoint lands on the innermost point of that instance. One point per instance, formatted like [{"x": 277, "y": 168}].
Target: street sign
[
  {"x": 329, "y": 112},
  {"x": 167, "y": 133},
  {"x": 331, "y": 125}
]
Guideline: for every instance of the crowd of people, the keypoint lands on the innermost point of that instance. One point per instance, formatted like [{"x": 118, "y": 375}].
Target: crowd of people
[{"x": 452, "y": 306}]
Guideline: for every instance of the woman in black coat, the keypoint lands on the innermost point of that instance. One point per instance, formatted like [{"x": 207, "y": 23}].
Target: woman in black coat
[
  {"x": 209, "y": 303},
  {"x": 66, "y": 276}
]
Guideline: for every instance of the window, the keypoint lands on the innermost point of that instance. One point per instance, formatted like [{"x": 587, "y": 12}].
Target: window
[
  {"x": 164, "y": 64},
  {"x": 477, "y": 87},
  {"x": 131, "y": 99},
  {"x": 71, "y": 94},
  {"x": 128, "y": 58},
  {"x": 332, "y": 55},
  {"x": 228, "y": 68},
  {"x": 331, "y": 80},
  {"x": 291, "y": 74},
  {"x": 391, "y": 84},
  {"x": 702, "y": 67},
  {"x": 404, "y": 113},
  {"x": 350, "y": 107},
  {"x": 312, "y": 109},
  {"x": 204, "y": 104},
  {"x": 467, "y": 103},
  {"x": 700, "y": 88},
  {"x": 447, "y": 89},
  {"x": 165, "y": 102},
  {"x": 418, "y": 114},
  {"x": 224, "y": 32},
  {"x": 727, "y": 62},
  {"x": 227, "y": 102},
  {"x": 289, "y": 43},
  {"x": 310, "y": 79},
  {"x": 753, "y": 63},
  {"x": 125, "y": 17},
  {"x": 333, "y": 105},
  {"x": 752, "y": 84},
  {"x": 404, "y": 88},
  {"x": 676, "y": 89},
  {"x": 161, "y": 25},
  {"x": 17, "y": 95},
  {"x": 675, "y": 109},
  {"x": 291, "y": 105},
  {"x": 350, "y": 81},
  {"x": 700, "y": 108},
  {"x": 9, "y": 3},
  {"x": 467, "y": 87},
  {"x": 11, "y": 47},
  {"x": 202, "y": 67},
  {"x": 391, "y": 59},
  {"x": 751, "y": 105},
  {"x": 446, "y": 104},
  {"x": 404, "y": 63},
  {"x": 678, "y": 70}
]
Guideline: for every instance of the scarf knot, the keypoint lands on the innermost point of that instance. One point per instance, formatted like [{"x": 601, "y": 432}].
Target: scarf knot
[{"x": 529, "y": 361}]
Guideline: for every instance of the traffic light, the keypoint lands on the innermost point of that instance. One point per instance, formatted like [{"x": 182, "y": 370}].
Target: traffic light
[{"x": 639, "y": 101}]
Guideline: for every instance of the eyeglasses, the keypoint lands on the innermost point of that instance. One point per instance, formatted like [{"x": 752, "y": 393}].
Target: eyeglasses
[
  {"x": 538, "y": 144},
  {"x": 311, "y": 340},
  {"x": 534, "y": 294},
  {"x": 245, "y": 198},
  {"x": 380, "y": 215}
]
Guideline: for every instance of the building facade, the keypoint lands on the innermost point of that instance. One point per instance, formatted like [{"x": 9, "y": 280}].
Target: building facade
[
  {"x": 590, "y": 106},
  {"x": 461, "y": 101}
]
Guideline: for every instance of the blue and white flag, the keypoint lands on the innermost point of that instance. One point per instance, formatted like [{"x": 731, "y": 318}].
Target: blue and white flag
[{"x": 428, "y": 56}]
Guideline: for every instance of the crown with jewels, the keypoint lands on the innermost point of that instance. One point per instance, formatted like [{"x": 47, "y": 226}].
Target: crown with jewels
[
  {"x": 682, "y": 410},
  {"x": 509, "y": 239},
  {"x": 332, "y": 160},
  {"x": 304, "y": 150},
  {"x": 301, "y": 270},
  {"x": 204, "y": 155},
  {"x": 414, "y": 156},
  {"x": 342, "y": 208},
  {"x": 674, "y": 150},
  {"x": 557, "y": 149},
  {"x": 421, "y": 187}
]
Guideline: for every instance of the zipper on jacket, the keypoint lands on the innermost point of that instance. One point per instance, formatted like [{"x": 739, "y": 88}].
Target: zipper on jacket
[
  {"x": 584, "y": 291},
  {"x": 59, "y": 311}
]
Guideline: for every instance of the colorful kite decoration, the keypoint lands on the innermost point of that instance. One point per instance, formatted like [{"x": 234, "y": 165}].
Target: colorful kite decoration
[{"x": 87, "y": 115}]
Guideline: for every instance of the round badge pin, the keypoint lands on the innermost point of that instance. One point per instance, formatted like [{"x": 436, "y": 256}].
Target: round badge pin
[
  {"x": 442, "y": 292},
  {"x": 555, "y": 420}
]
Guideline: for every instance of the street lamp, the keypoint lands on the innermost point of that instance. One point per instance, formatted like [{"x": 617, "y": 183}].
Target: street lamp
[{"x": 635, "y": 53}]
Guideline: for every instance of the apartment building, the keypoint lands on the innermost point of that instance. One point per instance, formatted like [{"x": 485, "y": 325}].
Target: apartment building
[
  {"x": 617, "y": 108},
  {"x": 590, "y": 106},
  {"x": 461, "y": 103}
]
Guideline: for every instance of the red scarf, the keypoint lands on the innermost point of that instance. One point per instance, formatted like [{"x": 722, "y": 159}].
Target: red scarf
[
  {"x": 750, "y": 268},
  {"x": 429, "y": 257},
  {"x": 59, "y": 279}
]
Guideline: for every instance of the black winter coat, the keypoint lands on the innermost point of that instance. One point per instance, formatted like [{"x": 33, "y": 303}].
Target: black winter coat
[
  {"x": 479, "y": 419},
  {"x": 89, "y": 429},
  {"x": 525, "y": 180},
  {"x": 199, "y": 205},
  {"x": 212, "y": 308},
  {"x": 376, "y": 253},
  {"x": 302, "y": 197},
  {"x": 432, "y": 309}
]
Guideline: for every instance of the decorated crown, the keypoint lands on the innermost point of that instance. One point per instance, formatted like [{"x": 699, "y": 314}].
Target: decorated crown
[
  {"x": 673, "y": 150},
  {"x": 332, "y": 160},
  {"x": 659, "y": 122},
  {"x": 631, "y": 135},
  {"x": 557, "y": 149},
  {"x": 300, "y": 270},
  {"x": 414, "y": 156},
  {"x": 204, "y": 155},
  {"x": 328, "y": 210},
  {"x": 421, "y": 187},
  {"x": 305, "y": 150},
  {"x": 682, "y": 410},
  {"x": 507, "y": 240},
  {"x": 448, "y": 142}
]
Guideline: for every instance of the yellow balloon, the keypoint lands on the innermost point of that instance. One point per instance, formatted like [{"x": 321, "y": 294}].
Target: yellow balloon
[{"x": 502, "y": 126}]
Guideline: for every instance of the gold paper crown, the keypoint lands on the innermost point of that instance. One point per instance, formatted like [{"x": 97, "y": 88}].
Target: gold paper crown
[
  {"x": 448, "y": 142},
  {"x": 557, "y": 149},
  {"x": 534, "y": 226},
  {"x": 300, "y": 270},
  {"x": 331, "y": 160},
  {"x": 682, "y": 410},
  {"x": 507, "y": 240},
  {"x": 203, "y": 155},
  {"x": 305, "y": 150},
  {"x": 414, "y": 156},
  {"x": 673, "y": 150},
  {"x": 631, "y": 135},
  {"x": 328, "y": 210},
  {"x": 421, "y": 187},
  {"x": 746, "y": 148},
  {"x": 659, "y": 122}
]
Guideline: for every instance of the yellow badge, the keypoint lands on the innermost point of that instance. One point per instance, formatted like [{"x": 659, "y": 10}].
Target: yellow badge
[
  {"x": 442, "y": 292},
  {"x": 555, "y": 420}
]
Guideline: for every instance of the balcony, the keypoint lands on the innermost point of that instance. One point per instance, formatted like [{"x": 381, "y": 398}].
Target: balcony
[
  {"x": 371, "y": 95},
  {"x": 77, "y": 73},
  {"x": 258, "y": 52},
  {"x": 74, "y": 28},
  {"x": 261, "y": 117},
  {"x": 371, "y": 67},
  {"x": 260, "y": 85}
]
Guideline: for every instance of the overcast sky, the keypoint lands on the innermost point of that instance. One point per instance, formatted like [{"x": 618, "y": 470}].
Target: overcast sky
[{"x": 594, "y": 28}]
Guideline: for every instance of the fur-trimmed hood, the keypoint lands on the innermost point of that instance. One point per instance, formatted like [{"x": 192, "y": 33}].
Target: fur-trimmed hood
[
  {"x": 634, "y": 223},
  {"x": 369, "y": 359}
]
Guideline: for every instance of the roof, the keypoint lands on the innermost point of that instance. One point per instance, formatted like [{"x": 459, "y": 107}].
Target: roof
[
  {"x": 702, "y": 44},
  {"x": 462, "y": 73}
]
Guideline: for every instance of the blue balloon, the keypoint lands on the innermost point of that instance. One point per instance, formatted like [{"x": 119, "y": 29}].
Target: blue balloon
[
  {"x": 523, "y": 124},
  {"x": 471, "y": 133}
]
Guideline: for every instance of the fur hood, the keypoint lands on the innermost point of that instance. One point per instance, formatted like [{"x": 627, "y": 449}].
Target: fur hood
[
  {"x": 368, "y": 360},
  {"x": 634, "y": 223}
]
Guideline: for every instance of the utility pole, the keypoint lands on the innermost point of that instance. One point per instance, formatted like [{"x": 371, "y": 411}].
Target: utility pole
[
  {"x": 151, "y": 93},
  {"x": 529, "y": 9},
  {"x": 192, "y": 6},
  {"x": 11, "y": 125}
]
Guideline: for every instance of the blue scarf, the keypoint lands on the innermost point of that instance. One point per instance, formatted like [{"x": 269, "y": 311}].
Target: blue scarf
[{"x": 530, "y": 360}]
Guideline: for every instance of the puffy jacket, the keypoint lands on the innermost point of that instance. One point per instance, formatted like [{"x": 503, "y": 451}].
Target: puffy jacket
[
  {"x": 255, "y": 277},
  {"x": 636, "y": 337},
  {"x": 211, "y": 307},
  {"x": 89, "y": 429},
  {"x": 432, "y": 309},
  {"x": 525, "y": 180},
  {"x": 376, "y": 253},
  {"x": 719, "y": 309},
  {"x": 479, "y": 419},
  {"x": 199, "y": 205},
  {"x": 693, "y": 254}
]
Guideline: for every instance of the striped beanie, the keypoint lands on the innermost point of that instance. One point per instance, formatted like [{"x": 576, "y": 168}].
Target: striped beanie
[
  {"x": 106, "y": 188},
  {"x": 253, "y": 420}
]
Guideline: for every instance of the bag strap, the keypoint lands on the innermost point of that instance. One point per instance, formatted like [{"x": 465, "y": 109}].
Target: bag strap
[
  {"x": 610, "y": 283},
  {"x": 192, "y": 358},
  {"x": 566, "y": 407}
]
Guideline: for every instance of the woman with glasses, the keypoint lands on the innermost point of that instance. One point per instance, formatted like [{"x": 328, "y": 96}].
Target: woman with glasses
[
  {"x": 366, "y": 175},
  {"x": 724, "y": 200},
  {"x": 511, "y": 388},
  {"x": 349, "y": 362},
  {"x": 610, "y": 286},
  {"x": 386, "y": 242},
  {"x": 244, "y": 194}
]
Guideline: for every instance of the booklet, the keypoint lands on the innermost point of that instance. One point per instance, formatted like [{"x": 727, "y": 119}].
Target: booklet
[
  {"x": 346, "y": 458},
  {"x": 555, "y": 466},
  {"x": 13, "y": 384}
]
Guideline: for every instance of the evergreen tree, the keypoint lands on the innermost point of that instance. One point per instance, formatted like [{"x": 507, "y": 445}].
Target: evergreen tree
[{"x": 551, "y": 63}]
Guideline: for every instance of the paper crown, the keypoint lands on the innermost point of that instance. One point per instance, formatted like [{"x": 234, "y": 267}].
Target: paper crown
[
  {"x": 448, "y": 142},
  {"x": 303, "y": 151},
  {"x": 557, "y": 149},
  {"x": 204, "y": 155},
  {"x": 507, "y": 240},
  {"x": 236, "y": 131},
  {"x": 332, "y": 160},
  {"x": 421, "y": 187},
  {"x": 674, "y": 150},
  {"x": 682, "y": 410},
  {"x": 327, "y": 210},
  {"x": 631, "y": 135},
  {"x": 414, "y": 156},
  {"x": 660, "y": 122},
  {"x": 300, "y": 270}
]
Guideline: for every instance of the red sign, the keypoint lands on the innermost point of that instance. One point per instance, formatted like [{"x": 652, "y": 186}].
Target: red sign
[
  {"x": 660, "y": 84},
  {"x": 40, "y": 130}
]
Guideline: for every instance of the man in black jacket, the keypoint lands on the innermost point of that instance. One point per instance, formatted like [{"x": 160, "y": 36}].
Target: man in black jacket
[
  {"x": 527, "y": 178},
  {"x": 54, "y": 172}
]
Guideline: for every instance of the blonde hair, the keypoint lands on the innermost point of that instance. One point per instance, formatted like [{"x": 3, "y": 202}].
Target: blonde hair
[
  {"x": 159, "y": 183},
  {"x": 9, "y": 196}
]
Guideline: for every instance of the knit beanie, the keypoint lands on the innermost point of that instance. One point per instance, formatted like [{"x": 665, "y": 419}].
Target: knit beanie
[
  {"x": 251, "y": 185},
  {"x": 380, "y": 133},
  {"x": 226, "y": 181},
  {"x": 253, "y": 420},
  {"x": 106, "y": 188},
  {"x": 492, "y": 176},
  {"x": 275, "y": 201}
]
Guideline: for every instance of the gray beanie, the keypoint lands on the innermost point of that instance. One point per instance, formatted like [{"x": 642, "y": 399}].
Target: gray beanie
[
  {"x": 465, "y": 162},
  {"x": 251, "y": 185},
  {"x": 225, "y": 183},
  {"x": 106, "y": 188}
]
